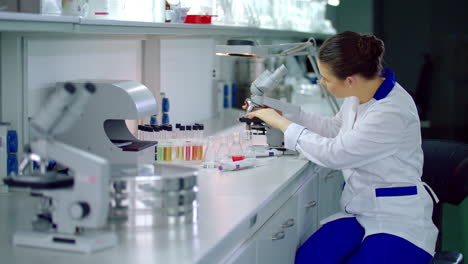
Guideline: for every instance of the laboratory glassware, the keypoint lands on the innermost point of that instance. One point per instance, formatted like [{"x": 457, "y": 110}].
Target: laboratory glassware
[
  {"x": 209, "y": 159},
  {"x": 236, "y": 151}
]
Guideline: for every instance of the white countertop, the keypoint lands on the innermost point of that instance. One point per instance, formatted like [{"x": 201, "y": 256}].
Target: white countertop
[{"x": 226, "y": 203}]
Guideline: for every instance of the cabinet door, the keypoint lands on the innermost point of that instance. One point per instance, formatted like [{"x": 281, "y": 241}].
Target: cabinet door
[
  {"x": 330, "y": 189},
  {"x": 277, "y": 240},
  {"x": 308, "y": 206},
  {"x": 246, "y": 254}
]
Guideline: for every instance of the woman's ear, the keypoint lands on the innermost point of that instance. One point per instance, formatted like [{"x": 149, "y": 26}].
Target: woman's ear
[{"x": 350, "y": 81}]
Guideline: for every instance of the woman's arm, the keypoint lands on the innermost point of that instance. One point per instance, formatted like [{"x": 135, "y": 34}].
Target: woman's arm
[
  {"x": 376, "y": 137},
  {"x": 322, "y": 125}
]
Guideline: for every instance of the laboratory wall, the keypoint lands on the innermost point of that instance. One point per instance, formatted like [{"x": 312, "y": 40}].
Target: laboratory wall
[
  {"x": 187, "y": 78},
  {"x": 184, "y": 70},
  {"x": 50, "y": 60}
]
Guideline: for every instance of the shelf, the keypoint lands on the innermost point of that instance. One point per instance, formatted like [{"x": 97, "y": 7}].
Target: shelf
[{"x": 22, "y": 22}]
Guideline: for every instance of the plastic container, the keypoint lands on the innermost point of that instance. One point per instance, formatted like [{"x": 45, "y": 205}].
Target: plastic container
[
  {"x": 170, "y": 190},
  {"x": 198, "y": 19}
]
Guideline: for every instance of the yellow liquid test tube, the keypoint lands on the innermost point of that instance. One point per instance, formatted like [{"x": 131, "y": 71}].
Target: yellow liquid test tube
[
  {"x": 168, "y": 153},
  {"x": 200, "y": 152}
]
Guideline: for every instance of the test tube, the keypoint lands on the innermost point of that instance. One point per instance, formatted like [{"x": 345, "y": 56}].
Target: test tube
[
  {"x": 195, "y": 143},
  {"x": 160, "y": 151},
  {"x": 140, "y": 132},
  {"x": 155, "y": 132},
  {"x": 149, "y": 132},
  {"x": 181, "y": 143},
  {"x": 202, "y": 135},
  {"x": 168, "y": 151},
  {"x": 187, "y": 151},
  {"x": 202, "y": 131},
  {"x": 189, "y": 132}
]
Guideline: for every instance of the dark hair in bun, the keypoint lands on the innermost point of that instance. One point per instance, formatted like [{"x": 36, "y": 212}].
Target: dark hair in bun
[{"x": 351, "y": 53}]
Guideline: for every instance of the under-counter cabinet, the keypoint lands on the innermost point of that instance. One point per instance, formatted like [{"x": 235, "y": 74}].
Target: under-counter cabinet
[
  {"x": 308, "y": 204},
  {"x": 331, "y": 184},
  {"x": 278, "y": 239}
]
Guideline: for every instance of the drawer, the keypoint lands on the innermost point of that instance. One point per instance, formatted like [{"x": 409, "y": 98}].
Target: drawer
[
  {"x": 277, "y": 240},
  {"x": 330, "y": 189},
  {"x": 246, "y": 254},
  {"x": 308, "y": 207}
]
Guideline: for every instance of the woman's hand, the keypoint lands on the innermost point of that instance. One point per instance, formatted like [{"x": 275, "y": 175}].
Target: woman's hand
[{"x": 271, "y": 117}]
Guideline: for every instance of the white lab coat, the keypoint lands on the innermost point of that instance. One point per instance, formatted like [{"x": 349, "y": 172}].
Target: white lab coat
[{"x": 377, "y": 145}]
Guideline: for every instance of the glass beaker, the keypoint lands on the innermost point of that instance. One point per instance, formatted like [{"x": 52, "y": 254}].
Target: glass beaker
[
  {"x": 209, "y": 159},
  {"x": 223, "y": 152}
]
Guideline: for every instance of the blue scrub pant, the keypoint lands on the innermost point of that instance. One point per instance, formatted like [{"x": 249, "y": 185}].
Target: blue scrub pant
[{"x": 340, "y": 241}]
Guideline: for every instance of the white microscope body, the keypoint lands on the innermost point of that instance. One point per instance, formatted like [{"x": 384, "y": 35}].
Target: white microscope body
[
  {"x": 266, "y": 82},
  {"x": 75, "y": 206}
]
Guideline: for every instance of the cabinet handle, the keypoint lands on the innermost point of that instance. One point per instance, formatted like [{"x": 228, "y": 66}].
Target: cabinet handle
[
  {"x": 278, "y": 235},
  {"x": 310, "y": 204},
  {"x": 330, "y": 175},
  {"x": 288, "y": 223}
]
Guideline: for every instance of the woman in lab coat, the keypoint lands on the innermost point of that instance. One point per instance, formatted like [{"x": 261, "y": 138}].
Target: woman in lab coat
[{"x": 375, "y": 140}]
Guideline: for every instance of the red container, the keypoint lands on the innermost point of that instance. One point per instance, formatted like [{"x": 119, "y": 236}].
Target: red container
[{"x": 198, "y": 19}]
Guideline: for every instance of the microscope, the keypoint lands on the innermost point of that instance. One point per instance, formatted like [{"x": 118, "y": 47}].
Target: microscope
[
  {"x": 266, "y": 82},
  {"x": 73, "y": 206}
]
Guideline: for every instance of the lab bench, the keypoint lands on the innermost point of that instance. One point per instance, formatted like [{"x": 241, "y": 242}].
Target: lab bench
[{"x": 258, "y": 215}]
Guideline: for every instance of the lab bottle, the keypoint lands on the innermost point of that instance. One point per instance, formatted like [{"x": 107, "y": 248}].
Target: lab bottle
[
  {"x": 168, "y": 13},
  {"x": 237, "y": 152},
  {"x": 165, "y": 108},
  {"x": 154, "y": 120}
]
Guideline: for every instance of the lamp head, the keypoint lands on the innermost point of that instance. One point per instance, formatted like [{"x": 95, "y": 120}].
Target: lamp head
[{"x": 240, "y": 48}]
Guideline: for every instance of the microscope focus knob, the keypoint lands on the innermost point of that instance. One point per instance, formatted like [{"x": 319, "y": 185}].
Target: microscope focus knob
[{"x": 79, "y": 210}]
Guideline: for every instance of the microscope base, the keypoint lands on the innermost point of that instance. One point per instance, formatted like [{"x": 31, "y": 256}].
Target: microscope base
[{"x": 83, "y": 243}]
